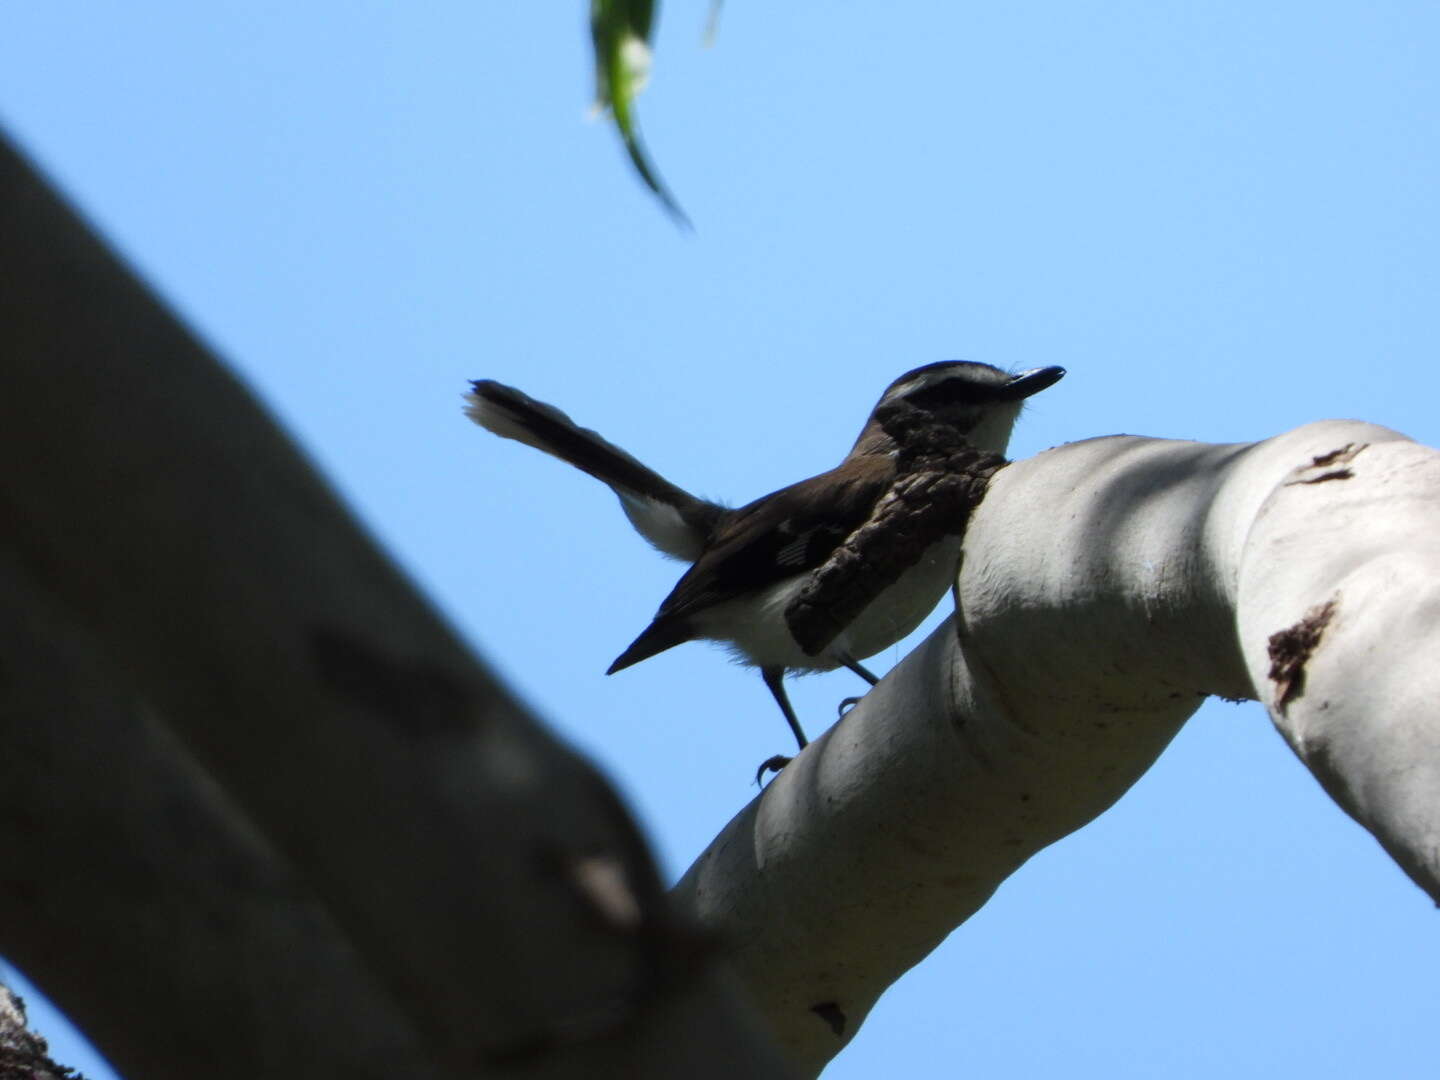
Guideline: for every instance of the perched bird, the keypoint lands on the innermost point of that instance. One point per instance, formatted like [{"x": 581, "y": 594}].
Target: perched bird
[{"x": 749, "y": 563}]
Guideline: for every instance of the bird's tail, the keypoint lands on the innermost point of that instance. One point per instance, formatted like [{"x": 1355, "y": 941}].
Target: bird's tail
[
  {"x": 669, "y": 517},
  {"x": 660, "y": 635}
]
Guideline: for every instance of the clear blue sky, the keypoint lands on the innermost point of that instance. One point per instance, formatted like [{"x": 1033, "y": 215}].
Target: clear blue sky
[{"x": 1220, "y": 217}]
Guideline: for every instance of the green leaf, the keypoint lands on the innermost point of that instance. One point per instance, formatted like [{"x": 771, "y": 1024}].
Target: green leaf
[{"x": 620, "y": 30}]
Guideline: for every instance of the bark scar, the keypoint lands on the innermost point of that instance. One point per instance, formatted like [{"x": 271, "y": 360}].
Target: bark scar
[
  {"x": 1333, "y": 474},
  {"x": 1342, "y": 456},
  {"x": 1345, "y": 453},
  {"x": 1291, "y": 649}
]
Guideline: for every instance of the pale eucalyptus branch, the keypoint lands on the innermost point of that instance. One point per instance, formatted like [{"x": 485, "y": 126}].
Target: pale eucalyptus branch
[{"x": 1107, "y": 588}]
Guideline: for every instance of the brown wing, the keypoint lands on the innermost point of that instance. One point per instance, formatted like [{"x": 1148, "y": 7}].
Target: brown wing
[{"x": 773, "y": 538}]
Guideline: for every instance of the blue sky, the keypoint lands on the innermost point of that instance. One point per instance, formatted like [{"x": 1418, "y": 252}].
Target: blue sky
[{"x": 1220, "y": 217}]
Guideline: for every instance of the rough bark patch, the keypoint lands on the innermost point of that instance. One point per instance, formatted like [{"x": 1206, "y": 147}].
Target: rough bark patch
[
  {"x": 24, "y": 1054},
  {"x": 1291, "y": 649}
]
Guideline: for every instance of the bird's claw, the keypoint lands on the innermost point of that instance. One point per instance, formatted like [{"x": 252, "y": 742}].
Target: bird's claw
[
  {"x": 848, "y": 703},
  {"x": 771, "y": 764}
]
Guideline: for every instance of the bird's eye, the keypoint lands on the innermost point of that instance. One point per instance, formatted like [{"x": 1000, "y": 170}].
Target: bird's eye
[{"x": 950, "y": 392}]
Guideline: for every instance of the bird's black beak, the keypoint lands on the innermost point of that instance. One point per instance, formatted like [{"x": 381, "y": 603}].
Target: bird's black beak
[{"x": 1032, "y": 382}]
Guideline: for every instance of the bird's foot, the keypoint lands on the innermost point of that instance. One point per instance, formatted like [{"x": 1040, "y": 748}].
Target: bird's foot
[
  {"x": 846, "y": 704},
  {"x": 771, "y": 764}
]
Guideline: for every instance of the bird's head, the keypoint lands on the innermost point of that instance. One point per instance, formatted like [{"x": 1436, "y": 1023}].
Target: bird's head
[{"x": 979, "y": 401}]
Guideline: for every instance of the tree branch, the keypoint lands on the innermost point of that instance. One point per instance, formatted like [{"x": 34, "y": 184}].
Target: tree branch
[
  {"x": 332, "y": 806},
  {"x": 1098, "y": 603}
]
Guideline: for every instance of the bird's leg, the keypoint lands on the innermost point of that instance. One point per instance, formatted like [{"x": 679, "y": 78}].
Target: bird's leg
[
  {"x": 858, "y": 669},
  {"x": 774, "y": 679}
]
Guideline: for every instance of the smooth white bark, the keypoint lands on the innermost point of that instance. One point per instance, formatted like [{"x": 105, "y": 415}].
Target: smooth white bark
[
  {"x": 1107, "y": 588},
  {"x": 1364, "y": 549}
]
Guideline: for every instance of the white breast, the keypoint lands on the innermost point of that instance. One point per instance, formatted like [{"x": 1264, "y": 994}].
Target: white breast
[{"x": 755, "y": 628}]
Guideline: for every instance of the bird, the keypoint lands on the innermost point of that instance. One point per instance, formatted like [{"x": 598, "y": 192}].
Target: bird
[{"x": 749, "y": 563}]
